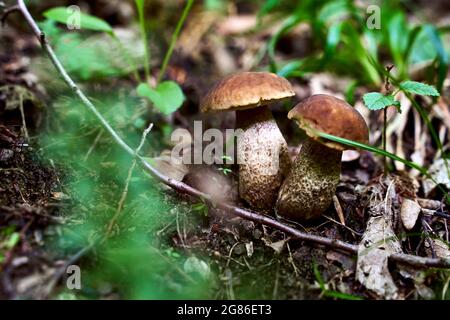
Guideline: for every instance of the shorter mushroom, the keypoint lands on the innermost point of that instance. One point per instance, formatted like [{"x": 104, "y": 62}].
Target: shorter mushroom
[{"x": 311, "y": 183}]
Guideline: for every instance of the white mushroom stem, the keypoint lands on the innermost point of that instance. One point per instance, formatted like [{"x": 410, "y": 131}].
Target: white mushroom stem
[
  {"x": 311, "y": 183},
  {"x": 263, "y": 157}
]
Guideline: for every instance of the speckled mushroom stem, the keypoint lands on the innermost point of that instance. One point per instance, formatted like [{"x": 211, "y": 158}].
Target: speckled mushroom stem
[
  {"x": 311, "y": 183},
  {"x": 263, "y": 160}
]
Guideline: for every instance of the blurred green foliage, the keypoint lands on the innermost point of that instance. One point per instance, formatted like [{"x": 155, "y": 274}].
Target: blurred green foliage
[
  {"x": 97, "y": 56},
  {"x": 344, "y": 43},
  {"x": 137, "y": 258}
]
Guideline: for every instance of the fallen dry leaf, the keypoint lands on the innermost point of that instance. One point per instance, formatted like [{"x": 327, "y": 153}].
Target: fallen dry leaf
[
  {"x": 378, "y": 242},
  {"x": 237, "y": 24},
  {"x": 170, "y": 168},
  {"x": 440, "y": 174},
  {"x": 277, "y": 246}
]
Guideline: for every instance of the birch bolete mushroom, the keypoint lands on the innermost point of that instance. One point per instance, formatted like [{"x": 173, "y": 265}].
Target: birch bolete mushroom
[
  {"x": 262, "y": 150},
  {"x": 311, "y": 183}
]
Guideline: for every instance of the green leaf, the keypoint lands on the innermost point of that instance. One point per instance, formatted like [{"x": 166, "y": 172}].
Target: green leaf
[
  {"x": 167, "y": 96},
  {"x": 288, "y": 24},
  {"x": 333, "y": 39},
  {"x": 318, "y": 276},
  {"x": 334, "y": 11},
  {"x": 442, "y": 55},
  {"x": 86, "y": 21},
  {"x": 98, "y": 56},
  {"x": 378, "y": 101},
  {"x": 398, "y": 33},
  {"x": 419, "y": 88},
  {"x": 340, "y": 295},
  {"x": 140, "y": 4},
  {"x": 268, "y": 6},
  {"x": 13, "y": 240}
]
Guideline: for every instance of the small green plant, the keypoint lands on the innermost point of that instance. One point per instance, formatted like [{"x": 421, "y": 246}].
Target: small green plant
[
  {"x": 325, "y": 292},
  {"x": 378, "y": 101},
  {"x": 225, "y": 170},
  {"x": 201, "y": 208},
  {"x": 9, "y": 238},
  {"x": 166, "y": 96},
  {"x": 137, "y": 255}
]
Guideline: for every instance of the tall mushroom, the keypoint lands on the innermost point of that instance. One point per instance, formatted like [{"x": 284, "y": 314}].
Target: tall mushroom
[
  {"x": 262, "y": 151},
  {"x": 311, "y": 183}
]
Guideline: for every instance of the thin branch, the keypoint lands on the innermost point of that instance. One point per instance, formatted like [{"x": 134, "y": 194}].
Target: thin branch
[
  {"x": 186, "y": 189},
  {"x": 7, "y": 12},
  {"x": 127, "y": 183}
]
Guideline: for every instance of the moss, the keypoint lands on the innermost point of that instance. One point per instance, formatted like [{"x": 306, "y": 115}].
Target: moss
[
  {"x": 310, "y": 185},
  {"x": 263, "y": 160}
]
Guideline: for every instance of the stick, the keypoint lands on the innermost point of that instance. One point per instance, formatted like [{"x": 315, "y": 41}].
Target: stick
[
  {"x": 127, "y": 183},
  {"x": 188, "y": 190}
]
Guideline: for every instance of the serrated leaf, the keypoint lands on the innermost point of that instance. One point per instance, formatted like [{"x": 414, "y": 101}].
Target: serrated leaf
[
  {"x": 419, "y": 88},
  {"x": 167, "y": 97},
  {"x": 68, "y": 16},
  {"x": 378, "y": 101}
]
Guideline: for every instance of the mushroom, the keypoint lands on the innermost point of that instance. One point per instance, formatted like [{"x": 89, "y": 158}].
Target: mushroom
[
  {"x": 262, "y": 150},
  {"x": 311, "y": 183}
]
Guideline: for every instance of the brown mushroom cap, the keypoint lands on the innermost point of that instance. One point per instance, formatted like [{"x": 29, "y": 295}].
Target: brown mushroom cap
[
  {"x": 330, "y": 115},
  {"x": 246, "y": 90}
]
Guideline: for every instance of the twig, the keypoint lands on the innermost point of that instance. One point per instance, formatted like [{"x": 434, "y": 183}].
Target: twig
[
  {"x": 188, "y": 190},
  {"x": 22, "y": 114},
  {"x": 435, "y": 213},
  {"x": 127, "y": 183},
  {"x": 7, "y": 12},
  {"x": 338, "y": 208},
  {"x": 426, "y": 230},
  {"x": 181, "y": 236},
  {"x": 62, "y": 270},
  {"x": 94, "y": 144},
  {"x": 354, "y": 233}
]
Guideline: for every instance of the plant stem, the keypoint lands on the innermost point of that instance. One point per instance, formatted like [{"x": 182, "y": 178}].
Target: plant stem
[
  {"x": 387, "y": 86},
  {"x": 127, "y": 183},
  {"x": 392, "y": 156},
  {"x": 188, "y": 190},
  {"x": 141, "y": 13},
  {"x": 385, "y": 138},
  {"x": 423, "y": 114},
  {"x": 175, "y": 35}
]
